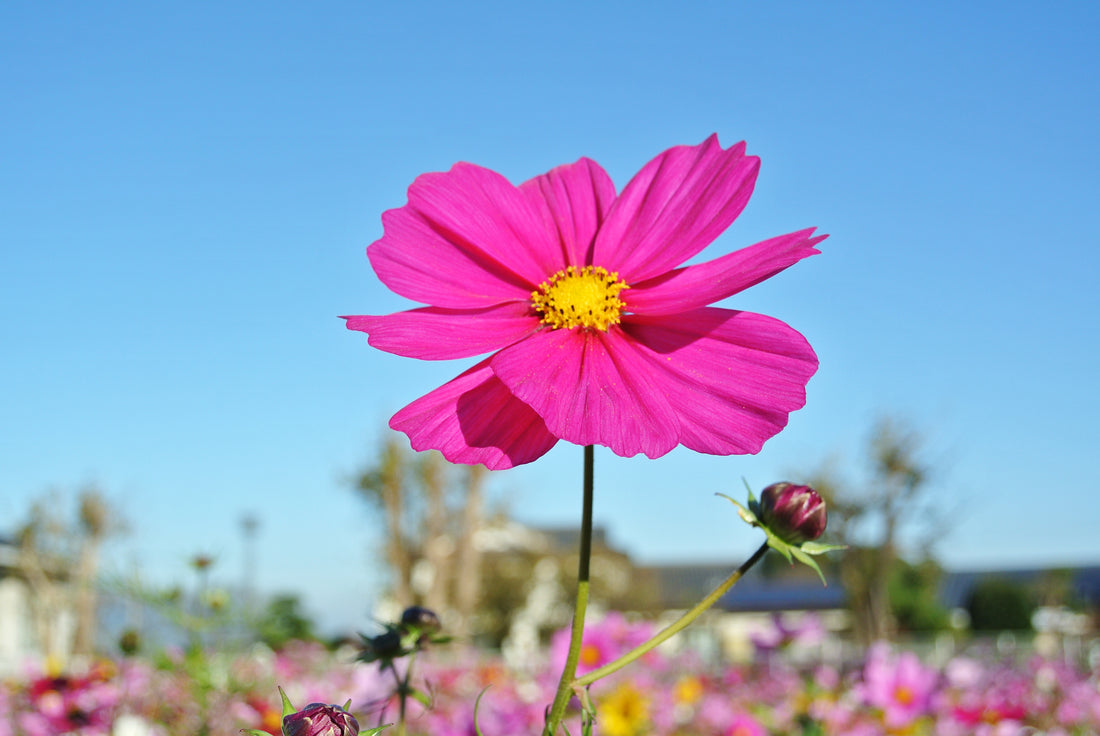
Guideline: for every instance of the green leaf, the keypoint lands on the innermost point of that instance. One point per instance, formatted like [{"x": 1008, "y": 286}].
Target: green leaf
[
  {"x": 819, "y": 548},
  {"x": 421, "y": 697},
  {"x": 287, "y": 707},
  {"x": 746, "y": 515},
  {"x": 254, "y": 732},
  {"x": 778, "y": 544},
  {"x": 373, "y": 731},
  {"x": 810, "y": 562},
  {"x": 782, "y": 548}
]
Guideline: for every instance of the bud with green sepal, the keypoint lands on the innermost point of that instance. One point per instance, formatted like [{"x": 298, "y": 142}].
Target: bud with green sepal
[
  {"x": 420, "y": 626},
  {"x": 791, "y": 516},
  {"x": 317, "y": 719},
  {"x": 384, "y": 647}
]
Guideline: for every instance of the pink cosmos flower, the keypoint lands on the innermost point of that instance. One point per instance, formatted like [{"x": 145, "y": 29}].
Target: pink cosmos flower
[
  {"x": 604, "y": 641},
  {"x": 745, "y": 725},
  {"x": 597, "y": 334},
  {"x": 900, "y": 686}
]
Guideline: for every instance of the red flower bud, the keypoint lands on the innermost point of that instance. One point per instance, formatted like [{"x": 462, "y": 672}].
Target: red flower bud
[
  {"x": 318, "y": 719},
  {"x": 795, "y": 514}
]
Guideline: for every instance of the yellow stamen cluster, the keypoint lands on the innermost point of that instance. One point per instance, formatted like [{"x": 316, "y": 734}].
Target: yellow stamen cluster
[
  {"x": 580, "y": 297},
  {"x": 590, "y": 655},
  {"x": 904, "y": 695}
]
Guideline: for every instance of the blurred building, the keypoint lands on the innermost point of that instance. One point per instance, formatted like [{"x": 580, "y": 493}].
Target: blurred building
[
  {"x": 31, "y": 627},
  {"x": 528, "y": 575}
]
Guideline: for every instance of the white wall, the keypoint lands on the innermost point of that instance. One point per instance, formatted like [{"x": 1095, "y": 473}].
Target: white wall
[{"x": 15, "y": 638}]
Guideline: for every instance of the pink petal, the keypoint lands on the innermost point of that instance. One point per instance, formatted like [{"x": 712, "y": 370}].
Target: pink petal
[
  {"x": 574, "y": 200},
  {"x": 697, "y": 286},
  {"x": 420, "y": 263},
  {"x": 466, "y": 225},
  {"x": 590, "y": 387},
  {"x": 433, "y": 333},
  {"x": 674, "y": 207},
  {"x": 475, "y": 419},
  {"x": 733, "y": 377}
]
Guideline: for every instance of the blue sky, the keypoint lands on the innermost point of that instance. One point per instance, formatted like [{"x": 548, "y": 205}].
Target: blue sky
[{"x": 186, "y": 192}]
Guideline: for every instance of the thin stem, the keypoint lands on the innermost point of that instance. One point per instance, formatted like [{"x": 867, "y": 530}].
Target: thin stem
[
  {"x": 405, "y": 692},
  {"x": 565, "y": 686},
  {"x": 402, "y": 695},
  {"x": 675, "y": 627}
]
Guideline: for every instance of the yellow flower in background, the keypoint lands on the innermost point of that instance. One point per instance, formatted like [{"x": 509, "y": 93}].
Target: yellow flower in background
[
  {"x": 688, "y": 690},
  {"x": 625, "y": 712}
]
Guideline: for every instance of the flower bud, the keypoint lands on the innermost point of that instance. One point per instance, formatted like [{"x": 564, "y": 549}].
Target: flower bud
[
  {"x": 423, "y": 619},
  {"x": 386, "y": 645},
  {"x": 795, "y": 514},
  {"x": 318, "y": 719},
  {"x": 129, "y": 642}
]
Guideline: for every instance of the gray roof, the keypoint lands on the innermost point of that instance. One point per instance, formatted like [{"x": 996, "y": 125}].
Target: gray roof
[
  {"x": 682, "y": 586},
  {"x": 1084, "y": 582},
  {"x": 798, "y": 589}
]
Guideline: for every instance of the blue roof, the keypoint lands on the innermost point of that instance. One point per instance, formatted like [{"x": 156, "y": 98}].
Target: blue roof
[{"x": 756, "y": 593}]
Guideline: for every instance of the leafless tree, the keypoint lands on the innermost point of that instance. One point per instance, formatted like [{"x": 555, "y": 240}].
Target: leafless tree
[
  {"x": 872, "y": 517},
  {"x": 59, "y": 558},
  {"x": 431, "y": 511}
]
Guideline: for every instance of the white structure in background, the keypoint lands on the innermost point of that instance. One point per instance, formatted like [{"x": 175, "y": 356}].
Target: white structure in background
[
  {"x": 522, "y": 649},
  {"x": 19, "y": 637}
]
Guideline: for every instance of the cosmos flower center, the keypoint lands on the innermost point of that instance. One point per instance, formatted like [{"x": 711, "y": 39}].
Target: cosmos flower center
[
  {"x": 580, "y": 297},
  {"x": 590, "y": 655},
  {"x": 903, "y": 695}
]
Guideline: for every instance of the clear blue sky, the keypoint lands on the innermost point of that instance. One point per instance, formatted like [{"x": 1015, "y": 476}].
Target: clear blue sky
[{"x": 187, "y": 189}]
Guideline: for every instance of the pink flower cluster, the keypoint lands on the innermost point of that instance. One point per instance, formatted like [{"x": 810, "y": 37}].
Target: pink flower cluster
[
  {"x": 886, "y": 692},
  {"x": 59, "y": 704}
]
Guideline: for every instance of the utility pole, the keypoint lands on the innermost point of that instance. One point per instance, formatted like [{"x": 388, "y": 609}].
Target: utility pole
[{"x": 250, "y": 524}]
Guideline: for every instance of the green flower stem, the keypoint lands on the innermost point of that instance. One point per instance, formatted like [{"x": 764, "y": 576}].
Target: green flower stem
[
  {"x": 565, "y": 686},
  {"x": 405, "y": 690},
  {"x": 401, "y": 688},
  {"x": 673, "y": 628}
]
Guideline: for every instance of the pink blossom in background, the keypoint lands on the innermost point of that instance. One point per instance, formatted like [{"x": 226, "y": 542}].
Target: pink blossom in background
[
  {"x": 70, "y": 704},
  {"x": 786, "y": 631},
  {"x": 969, "y": 696},
  {"x": 597, "y": 334},
  {"x": 963, "y": 672},
  {"x": 604, "y": 641},
  {"x": 745, "y": 725},
  {"x": 900, "y": 686},
  {"x": 6, "y": 708},
  {"x": 1081, "y": 705}
]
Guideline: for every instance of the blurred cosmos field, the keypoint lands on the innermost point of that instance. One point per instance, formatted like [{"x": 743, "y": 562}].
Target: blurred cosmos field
[
  {"x": 780, "y": 654},
  {"x": 788, "y": 690}
]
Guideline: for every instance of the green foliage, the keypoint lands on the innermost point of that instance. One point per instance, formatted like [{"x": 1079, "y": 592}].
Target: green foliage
[
  {"x": 997, "y": 604},
  {"x": 283, "y": 621},
  {"x": 913, "y": 596},
  {"x": 873, "y": 518},
  {"x": 1055, "y": 589}
]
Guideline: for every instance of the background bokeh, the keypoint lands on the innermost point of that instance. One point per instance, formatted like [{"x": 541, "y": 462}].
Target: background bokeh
[{"x": 187, "y": 189}]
